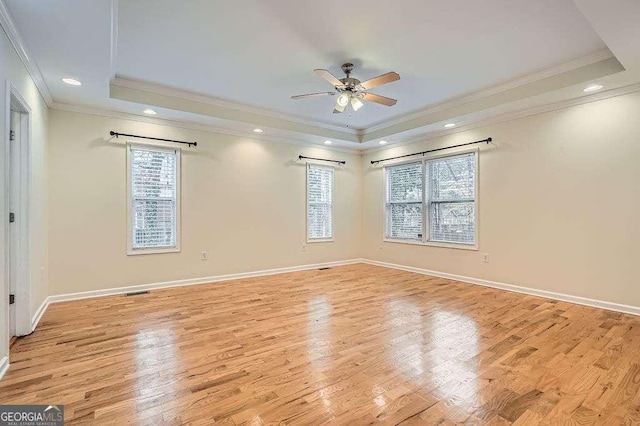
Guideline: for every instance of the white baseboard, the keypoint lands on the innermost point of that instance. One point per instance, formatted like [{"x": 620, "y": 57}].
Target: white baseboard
[
  {"x": 41, "y": 310},
  {"x": 4, "y": 366},
  {"x": 627, "y": 309},
  {"x": 193, "y": 281},
  {"x": 611, "y": 306}
]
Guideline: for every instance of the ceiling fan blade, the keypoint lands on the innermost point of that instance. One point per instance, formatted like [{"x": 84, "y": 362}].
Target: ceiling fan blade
[
  {"x": 380, "y": 80},
  {"x": 329, "y": 77},
  {"x": 379, "y": 99},
  {"x": 312, "y": 95}
]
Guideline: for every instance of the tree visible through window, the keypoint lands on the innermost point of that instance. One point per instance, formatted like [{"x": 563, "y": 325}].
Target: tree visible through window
[{"x": 439, "y": 194}]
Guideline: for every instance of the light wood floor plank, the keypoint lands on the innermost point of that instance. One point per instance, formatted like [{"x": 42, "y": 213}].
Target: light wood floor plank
[{"x": 354, "y": 344}]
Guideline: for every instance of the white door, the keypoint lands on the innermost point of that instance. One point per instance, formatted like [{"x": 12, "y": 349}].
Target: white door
[{"x": 14, "y": 204}]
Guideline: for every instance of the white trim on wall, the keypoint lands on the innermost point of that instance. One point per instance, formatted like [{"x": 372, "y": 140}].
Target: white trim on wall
[
  {"x": 23, "y": 53},
  {"x": 39, "y": 313},
  {"x": 601, "y": 304},
  {"x": 4, "y": 366},
  {"x": 571, "y": 65},
  {"x": 22, "y": 247},
  {"x": 485, "y": 121},
  {"x": 611, "y": 306},
  {"x": 194, "y": 281},
  {"x": 160, "y": 89},
  {"x": 193, "y": 125}
]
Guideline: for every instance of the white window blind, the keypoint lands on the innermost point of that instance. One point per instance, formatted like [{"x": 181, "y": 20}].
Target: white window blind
[
  {"x": 404, "y": 202},
  {"x": 319, "y": 202},
  {"x": 452, "y": 199},
  {"x": 154, "y": 188},
  {"x": 439, "y": 194}
]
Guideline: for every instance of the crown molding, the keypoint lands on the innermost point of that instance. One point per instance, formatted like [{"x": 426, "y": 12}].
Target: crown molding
[
  {"x": 512, "y": 84},
  {"x": 113, "y": 47},
  {"x": 191, "y": 125},
  {"x": 510, "y": 116},
  {"x": 223, "y": 103},
  {"x": 9, "y": 27}
]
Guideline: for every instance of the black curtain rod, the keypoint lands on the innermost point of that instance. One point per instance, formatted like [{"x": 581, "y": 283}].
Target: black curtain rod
[
  {"x": 116, "y": 134},
  {"x": 487, "y": 140},
  {"x": 300, "y": 157}
]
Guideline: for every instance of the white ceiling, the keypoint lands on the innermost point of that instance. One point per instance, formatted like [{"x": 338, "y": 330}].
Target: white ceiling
[
  {"x": 261, "y": 52},
  {"x": 258, "y": 53}
]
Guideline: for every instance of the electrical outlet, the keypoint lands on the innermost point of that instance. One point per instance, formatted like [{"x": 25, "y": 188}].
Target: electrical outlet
[
  {"x": 204, "y": 256},
  {"x": 485, "y": 257},
  {"x": 304, "y": 247},
  {"x": 380, "y": 246}
]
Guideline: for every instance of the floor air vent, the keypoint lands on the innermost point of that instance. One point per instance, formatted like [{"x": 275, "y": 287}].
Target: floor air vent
[
  {"x": 136, "y": 293},
  {"x": 323, "y": 269}
]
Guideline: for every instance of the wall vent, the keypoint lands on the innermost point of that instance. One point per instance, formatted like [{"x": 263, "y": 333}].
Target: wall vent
[{"x": 136, "y": 293}]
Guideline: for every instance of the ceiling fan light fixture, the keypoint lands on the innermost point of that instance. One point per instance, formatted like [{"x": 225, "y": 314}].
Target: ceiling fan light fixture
[
  {"x": 342, "y": 100},
  {"x": 356, "y": 103}
]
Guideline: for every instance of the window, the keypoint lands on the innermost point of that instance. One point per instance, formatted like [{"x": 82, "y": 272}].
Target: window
[
  {"x": 438, "y": 195},
  {"x": 319, "y": 203},
  {"x": 154, "y": 199},
  {"x": 404, "y": 204}
]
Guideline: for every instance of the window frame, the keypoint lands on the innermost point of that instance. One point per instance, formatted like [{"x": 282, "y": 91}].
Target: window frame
[
  {"x": 306, "y": 191},
  {"x": 131, "y": 251},
  {"x": 426, "y": 201}
]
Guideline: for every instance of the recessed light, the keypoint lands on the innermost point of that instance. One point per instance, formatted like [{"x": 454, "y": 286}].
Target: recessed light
[
  {"x": 592, "y": 88},
  {"x": 328, "y": 142},
  {"x": 258, "y": 130},
  {"x": 449, "y": 125},
  {"x": 382, "y": 142},
  {"x": 149, "y": 111},
  {"x": 72, "y": 81}
]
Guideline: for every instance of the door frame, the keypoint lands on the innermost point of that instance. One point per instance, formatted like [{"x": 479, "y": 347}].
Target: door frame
[{"x": 22, "y": 320}]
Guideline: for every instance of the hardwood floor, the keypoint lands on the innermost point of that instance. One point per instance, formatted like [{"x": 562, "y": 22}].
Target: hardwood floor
[{"x": 349, "y": 345}]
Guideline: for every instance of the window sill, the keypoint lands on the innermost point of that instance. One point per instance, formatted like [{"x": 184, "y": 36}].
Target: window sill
[
  {"x": 320, "y": 240},
  {"x": 434, "y": 244},
  {"x": 136, "y": 252}
]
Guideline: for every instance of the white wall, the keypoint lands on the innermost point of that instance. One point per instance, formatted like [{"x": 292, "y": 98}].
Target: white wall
[
  {"x": 12, "y": 70},
  {"x": 243, "y": 201},
  {"x": 558, "y": 204}
]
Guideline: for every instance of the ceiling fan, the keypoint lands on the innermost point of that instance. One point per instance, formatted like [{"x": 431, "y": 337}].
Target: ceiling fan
[{"x": 353, "y": 91}]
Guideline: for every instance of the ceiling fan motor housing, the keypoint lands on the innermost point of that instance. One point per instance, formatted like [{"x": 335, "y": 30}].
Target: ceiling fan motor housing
[
  {"x": 347, "y": 68},
  {"x": 349, "y": 83}
]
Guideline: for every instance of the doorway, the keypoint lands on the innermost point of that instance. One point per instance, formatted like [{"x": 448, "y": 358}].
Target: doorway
[{"x": 17, "y": 214}]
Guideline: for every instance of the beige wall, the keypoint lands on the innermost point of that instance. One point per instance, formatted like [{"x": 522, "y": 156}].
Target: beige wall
[
  {"x": 558, "y": 204},
  {"x": 12, "y": 70},
  {"x": 243, "y": 201}
]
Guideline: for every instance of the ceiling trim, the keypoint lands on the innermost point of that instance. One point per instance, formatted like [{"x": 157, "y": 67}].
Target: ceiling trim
[
  {"x": 493, "y": 90},
  {"x": 191, "y": 125},
  {"x": 10, "y": 29},
  {"x": 583, "y": 74},
  {"x": 510, "y": 116},
  {"x": 113, "y": 48},
  {"x": 223, "y": 103},
  {"x": 585, "y": 68}
]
